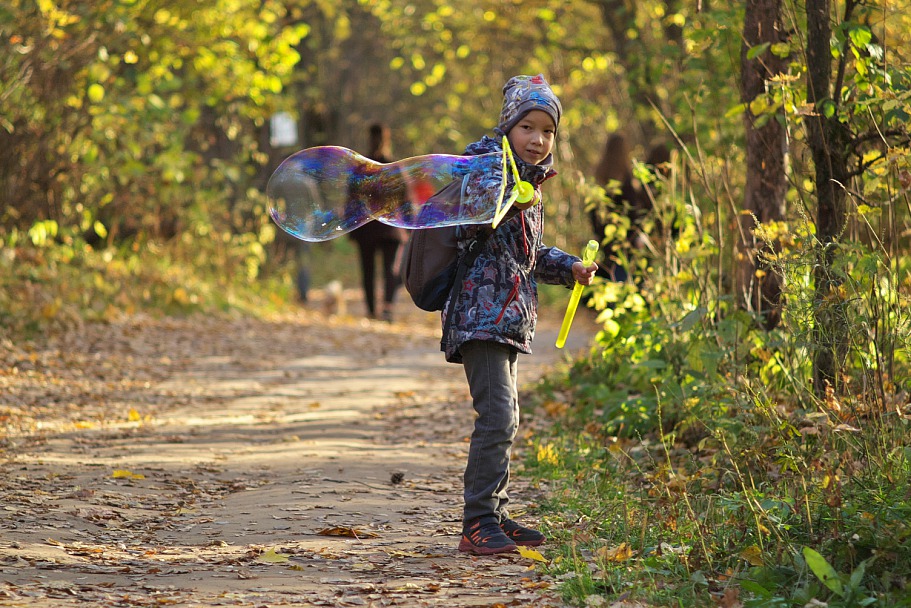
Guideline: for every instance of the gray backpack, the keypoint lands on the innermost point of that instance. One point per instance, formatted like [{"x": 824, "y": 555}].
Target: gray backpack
[{"x": 431, "y": 266}]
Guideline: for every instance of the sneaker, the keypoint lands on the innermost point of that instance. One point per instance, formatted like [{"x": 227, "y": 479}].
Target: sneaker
[
  {"x": 485, "y": 539},
  {"x": 520, "y": 534}
]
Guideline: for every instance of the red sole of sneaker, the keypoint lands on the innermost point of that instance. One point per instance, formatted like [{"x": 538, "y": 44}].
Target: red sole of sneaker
[{"x": 469, "y": 548}]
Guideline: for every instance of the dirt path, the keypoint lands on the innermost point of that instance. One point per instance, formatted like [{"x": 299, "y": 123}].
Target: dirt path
[{"x": 312, "y": 461}]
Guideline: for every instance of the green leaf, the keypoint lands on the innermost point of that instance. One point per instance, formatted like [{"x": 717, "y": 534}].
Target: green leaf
[
  {"x": 653, "y": 364},
  {"x": 692, "y": 318},
  {"x": 759, "y": 105},
  {"x": 860, "y": 36},
  {"x": 823, "y": 571},
  {"x": 757, "y": 50},
  {"x": 611, "y": 328},
  {"x": 858, "y": 575},
  {"x": 781, "y": 49},
  {"x": 735, "y": 110},
  {"x": 755, "y": 588}
]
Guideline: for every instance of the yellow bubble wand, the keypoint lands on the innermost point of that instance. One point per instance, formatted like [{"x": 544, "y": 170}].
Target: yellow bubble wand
[
  {"x": 522, "y": 191},
  {"x": 588, "y": 256}
]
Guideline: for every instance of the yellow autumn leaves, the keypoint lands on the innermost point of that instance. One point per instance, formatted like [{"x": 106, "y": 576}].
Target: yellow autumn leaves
[
  {"x": 547, "y": 454},
  {"x": 126, "y": 474}
]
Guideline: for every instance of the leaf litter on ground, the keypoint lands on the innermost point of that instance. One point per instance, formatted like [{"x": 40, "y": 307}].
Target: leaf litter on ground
[{"x": 102, "y": 390}]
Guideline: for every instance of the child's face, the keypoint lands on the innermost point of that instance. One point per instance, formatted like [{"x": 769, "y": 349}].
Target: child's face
[{"x": 533, "y": 137}]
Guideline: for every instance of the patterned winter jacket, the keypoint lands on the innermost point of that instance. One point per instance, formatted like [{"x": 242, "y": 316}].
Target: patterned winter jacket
[{"x": 498, "y": 300}]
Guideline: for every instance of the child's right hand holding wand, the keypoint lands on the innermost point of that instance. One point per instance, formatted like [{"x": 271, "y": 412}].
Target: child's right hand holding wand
[{"x": 584, "y": 275}]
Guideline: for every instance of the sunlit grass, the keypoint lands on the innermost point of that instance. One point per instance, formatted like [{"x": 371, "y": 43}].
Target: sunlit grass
[{"x": 675, "y": 525}]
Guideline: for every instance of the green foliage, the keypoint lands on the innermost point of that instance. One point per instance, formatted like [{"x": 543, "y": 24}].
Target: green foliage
[
  {"x": 708, "y": 426},
  {"x": 53, "y": 285},
  {"x": 137, "y": 115},
  {"x": 766, "y": 584}
]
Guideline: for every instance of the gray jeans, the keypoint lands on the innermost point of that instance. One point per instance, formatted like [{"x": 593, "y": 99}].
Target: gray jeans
[{"x": 492, "y": 372}]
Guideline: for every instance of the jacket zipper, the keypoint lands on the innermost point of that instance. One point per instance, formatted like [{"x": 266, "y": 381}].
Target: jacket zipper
[
  {"x": 514, "y": 292},
  {"x": 512, "y": 296}
]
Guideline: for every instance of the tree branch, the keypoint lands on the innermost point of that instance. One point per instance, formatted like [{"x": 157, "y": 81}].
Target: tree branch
[
  {"x": 877, "y": 134},
  {"x": 864, "y": 165}
]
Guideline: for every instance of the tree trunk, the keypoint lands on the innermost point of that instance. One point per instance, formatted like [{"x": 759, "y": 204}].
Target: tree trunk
[
  {"x": 766, "y": 153},
  {"x": 828, "y": 140}
]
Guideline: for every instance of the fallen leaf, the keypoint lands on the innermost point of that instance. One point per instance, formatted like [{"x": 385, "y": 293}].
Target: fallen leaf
[
  {"x": 731, "y": 598},
  {"x": 620, "y": 553},
  {"x": 348, "y": 532},
  {"x": 531, "y": 554},
  {"x": 271, "y": 557},
  {"x": 847, "y": 427},
  {"x": 753, "y": 555},
  {"x": 395, "y": 553},
  {"x": 125, "y": 474},
  {"x": 95, "y": 513},
  {"x": 555, "y": 409}
]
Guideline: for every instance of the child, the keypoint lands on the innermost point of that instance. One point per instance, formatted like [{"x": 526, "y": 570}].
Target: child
[{"x": 494, "y": 316}]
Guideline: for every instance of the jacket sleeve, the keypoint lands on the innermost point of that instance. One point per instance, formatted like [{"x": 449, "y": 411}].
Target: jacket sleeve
[{"x": 555, "y": 267}]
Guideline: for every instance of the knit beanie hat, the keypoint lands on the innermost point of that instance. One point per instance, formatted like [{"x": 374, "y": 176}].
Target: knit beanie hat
[{"x": 522, "y": 94}]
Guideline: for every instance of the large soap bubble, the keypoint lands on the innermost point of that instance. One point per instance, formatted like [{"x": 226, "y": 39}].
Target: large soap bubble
[{"x": 321, "y": 193}]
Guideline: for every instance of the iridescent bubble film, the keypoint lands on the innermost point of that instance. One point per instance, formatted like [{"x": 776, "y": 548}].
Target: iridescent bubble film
[{"x": 321, "y": 193}]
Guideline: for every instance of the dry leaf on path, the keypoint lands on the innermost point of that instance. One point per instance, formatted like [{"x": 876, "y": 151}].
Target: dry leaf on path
[
  {"x": 271, "y": 557},
  {"x": 124, "y": 474},
  {"x": 531, "y": 554},
  {"x": 194, "y": 525},
  {"x": 348, "y": 532}
]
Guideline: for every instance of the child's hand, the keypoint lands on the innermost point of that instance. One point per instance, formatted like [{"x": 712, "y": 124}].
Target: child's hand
[
  {"x": 535, "y": 199},
  {"x": 584, "y": 274}
]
